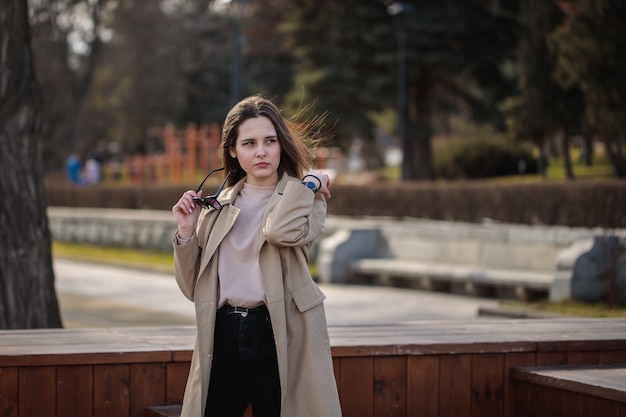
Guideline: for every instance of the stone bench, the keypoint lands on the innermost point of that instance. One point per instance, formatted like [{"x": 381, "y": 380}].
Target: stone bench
[
  {"x": 486, "y": 259},
  {"x": 470, "y": 279}
]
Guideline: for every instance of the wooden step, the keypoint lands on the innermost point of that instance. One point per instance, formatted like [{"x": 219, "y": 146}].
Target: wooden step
[
  {"x": 598, "y": 390},
  {"x": 163, "y": 411},
  {"x": 174, "y": 410}
]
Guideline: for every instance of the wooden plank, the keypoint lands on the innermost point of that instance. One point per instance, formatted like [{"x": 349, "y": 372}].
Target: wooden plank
[
  {"x": 9, "y": 392},
  {"x": 580, "y": 405},
  {"x": 83, "y": 347},
  {"x": 551, "y": 358},
  {"x": 547, "y": 401},
  {"x": 70, "y": 355},
  {"x": 612, "y": 356},
  {"x": 182, "y": 355},
  {"x": 356, "y": 391},
  {"x": 423, "y": 386},
  {"x": 582, "y": 342},
  {"x": 523, "y": 399},
  {"x": 455, "y": 385},
  {"x": 337, "y": 371},
  {"x": 37, "y": 394},
  {"x": 176, "y": 380},
  {"x": 147, "y": 387},
  {"x": 390, "y": 377},
  {"x": 511, "y": 394},
  {"x": 573, "y": 405},
  {"x": 74, "y": 391},
  {"x": 111, "y": 391},
  {"x": 582, "y": 358},
  {"x": 488, "y": 385}
]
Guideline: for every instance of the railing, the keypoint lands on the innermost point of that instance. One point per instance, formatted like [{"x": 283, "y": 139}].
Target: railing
[{"x": 426, "y": 368}]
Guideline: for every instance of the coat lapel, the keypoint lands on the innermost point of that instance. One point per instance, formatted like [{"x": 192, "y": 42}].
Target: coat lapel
[{"x": 225, "y": 220}]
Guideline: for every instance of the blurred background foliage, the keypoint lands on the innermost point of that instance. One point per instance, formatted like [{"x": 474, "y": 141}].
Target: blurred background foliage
[{"x": 491, "y": 86}]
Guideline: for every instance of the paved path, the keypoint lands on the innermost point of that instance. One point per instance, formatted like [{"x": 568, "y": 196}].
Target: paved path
[{"x": 95, "y": 295}]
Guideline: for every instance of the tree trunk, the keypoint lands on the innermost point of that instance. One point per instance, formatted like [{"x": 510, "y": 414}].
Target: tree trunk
[
  {"x": 27, "y": 294},
  {"x": 588, "y": 149},
  {"x": 417, "y": 146},
  {"x": 84, "y": 85},
  {"x": 567, "y": 159},
  {"x": 614, "y": 151}
]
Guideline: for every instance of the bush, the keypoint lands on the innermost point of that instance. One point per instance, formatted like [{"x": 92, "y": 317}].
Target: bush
[
  {"x": 580, "y": 203},
  {"x": 483, "y": 158}
]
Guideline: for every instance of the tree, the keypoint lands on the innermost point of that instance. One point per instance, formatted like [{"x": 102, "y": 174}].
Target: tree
[
  {"x": 544, "y": 107},
  {"x": 456, "y": 53},
  {"x": 588, "y": 48},
  {"x": 67, "y": 39},
  {"x": 27, "y": 294},
  {"x": 345, "y": 58}
]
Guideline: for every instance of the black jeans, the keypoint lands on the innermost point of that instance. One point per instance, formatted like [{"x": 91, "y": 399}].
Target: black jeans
[{"x": 245, "y": 368}]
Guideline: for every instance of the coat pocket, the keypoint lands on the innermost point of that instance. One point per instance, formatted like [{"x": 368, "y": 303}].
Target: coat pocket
[{"x": 308, "y": 296}]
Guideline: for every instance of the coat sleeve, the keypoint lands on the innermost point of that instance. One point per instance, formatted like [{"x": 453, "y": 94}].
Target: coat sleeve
[
  {"x": 186, "y": 265},
  {"x": 297, "y": 219}
]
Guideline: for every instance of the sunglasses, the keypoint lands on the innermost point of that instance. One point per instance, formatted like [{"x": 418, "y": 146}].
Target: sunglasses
[{"x": 211, "y": 201}]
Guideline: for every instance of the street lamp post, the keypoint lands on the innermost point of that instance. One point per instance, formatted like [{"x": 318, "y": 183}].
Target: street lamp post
[
  {"x": 236, "y": 16},
  {"x": 399, "y": 11}
]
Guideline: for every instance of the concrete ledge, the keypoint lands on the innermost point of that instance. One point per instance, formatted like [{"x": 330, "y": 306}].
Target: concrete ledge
[{"x": 142, "y": 229}]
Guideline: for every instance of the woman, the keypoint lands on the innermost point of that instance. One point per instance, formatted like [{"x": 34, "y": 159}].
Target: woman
[{"x": 242, "y": 257}]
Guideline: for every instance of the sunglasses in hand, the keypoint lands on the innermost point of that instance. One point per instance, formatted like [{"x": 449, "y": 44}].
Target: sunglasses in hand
[{"x": 211, "y": 201}]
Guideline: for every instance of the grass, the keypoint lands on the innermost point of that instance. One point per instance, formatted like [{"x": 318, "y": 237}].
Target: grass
[
  {"x": 601, "y": 169},
  {"x": 569, "y": 308},
  {"x": 133, "y": 258},
  {"x": 115, "y": 256}
]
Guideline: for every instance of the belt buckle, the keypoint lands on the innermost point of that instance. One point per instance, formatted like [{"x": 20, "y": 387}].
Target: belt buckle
[{"x": 241, "y": 311}]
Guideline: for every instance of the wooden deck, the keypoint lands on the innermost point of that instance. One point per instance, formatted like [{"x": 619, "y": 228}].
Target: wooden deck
[{"x": 444, "y": 368}]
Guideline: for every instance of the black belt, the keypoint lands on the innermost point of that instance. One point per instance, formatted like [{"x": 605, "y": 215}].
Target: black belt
[{"x": 243, "y": 311}]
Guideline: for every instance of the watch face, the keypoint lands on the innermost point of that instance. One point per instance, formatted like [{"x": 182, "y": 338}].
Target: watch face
[{"x": 311, "y": 185}]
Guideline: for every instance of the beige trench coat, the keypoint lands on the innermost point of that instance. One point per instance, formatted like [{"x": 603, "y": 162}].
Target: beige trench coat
[{"x": 293, "y": 219}]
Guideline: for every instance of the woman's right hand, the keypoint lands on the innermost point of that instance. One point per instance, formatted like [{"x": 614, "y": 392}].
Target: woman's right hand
[{"x": 186, "y": 213}]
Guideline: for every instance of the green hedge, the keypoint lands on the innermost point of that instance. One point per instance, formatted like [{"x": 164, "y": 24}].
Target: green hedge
[{"x": 579, "y": 203}]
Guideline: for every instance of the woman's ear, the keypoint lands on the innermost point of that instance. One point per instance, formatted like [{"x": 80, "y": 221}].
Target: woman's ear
[{"x": 231, "y": 151}]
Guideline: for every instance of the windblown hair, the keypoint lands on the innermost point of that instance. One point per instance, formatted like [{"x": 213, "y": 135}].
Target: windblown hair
[{"x": 297, "y": 140}]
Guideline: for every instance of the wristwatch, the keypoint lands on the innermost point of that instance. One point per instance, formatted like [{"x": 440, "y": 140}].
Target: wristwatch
[{"x": 311, "y": 185}]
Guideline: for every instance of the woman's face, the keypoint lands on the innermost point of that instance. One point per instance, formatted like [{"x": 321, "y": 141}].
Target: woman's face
[{"x": 258, "y": 151}]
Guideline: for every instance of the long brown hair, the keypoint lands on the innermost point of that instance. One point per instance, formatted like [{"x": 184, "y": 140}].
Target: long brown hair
[{"x": 297, "y": 140}]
